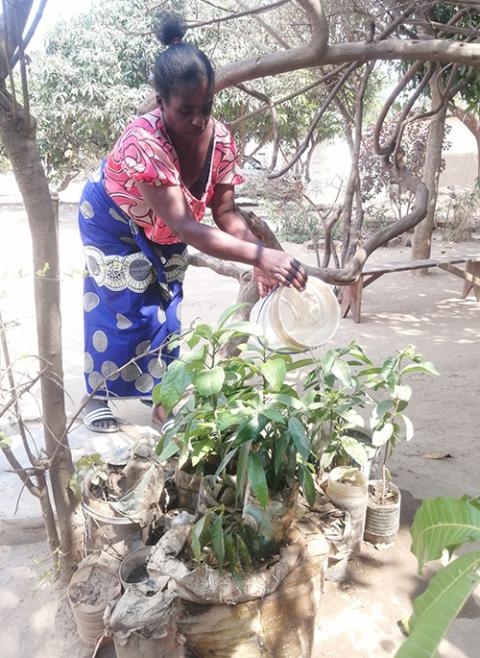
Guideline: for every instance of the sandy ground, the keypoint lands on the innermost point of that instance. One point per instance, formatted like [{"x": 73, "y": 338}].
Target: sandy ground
[{"x": 359, "y": 619}]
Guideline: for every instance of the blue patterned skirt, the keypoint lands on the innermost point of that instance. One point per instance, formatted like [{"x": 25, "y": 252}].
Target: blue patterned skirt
[{"x": 132, "y": 298}]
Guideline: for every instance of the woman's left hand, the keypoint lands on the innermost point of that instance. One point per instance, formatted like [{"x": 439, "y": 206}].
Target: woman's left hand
[{"x": 265, "y": 283}]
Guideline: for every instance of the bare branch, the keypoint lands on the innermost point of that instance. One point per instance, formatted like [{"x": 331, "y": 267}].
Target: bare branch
[
  {"x": 313, "y": 126},
  {"x": 240, "y": 14},
  {"x": 289, "y": 97}
]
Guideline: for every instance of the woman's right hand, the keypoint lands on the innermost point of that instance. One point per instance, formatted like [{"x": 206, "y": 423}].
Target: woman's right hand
[{"x": 281, "y": 267}]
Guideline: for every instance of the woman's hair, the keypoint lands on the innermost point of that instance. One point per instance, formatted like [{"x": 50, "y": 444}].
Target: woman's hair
[{"x": 180, "y": 62}]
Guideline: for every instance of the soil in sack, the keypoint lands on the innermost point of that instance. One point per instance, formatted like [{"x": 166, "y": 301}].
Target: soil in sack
[
  {"x": 122, "y": 505},
  {"x": 270, "y": 613}
]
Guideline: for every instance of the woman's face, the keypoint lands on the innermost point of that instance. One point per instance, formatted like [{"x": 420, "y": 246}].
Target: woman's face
[{"x": 187, "y": 111}]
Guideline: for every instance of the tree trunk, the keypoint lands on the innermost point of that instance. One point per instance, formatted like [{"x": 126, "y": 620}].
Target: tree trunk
[
  {"x": 18, "y": 137},
  {"x": 422, "y": 240}
]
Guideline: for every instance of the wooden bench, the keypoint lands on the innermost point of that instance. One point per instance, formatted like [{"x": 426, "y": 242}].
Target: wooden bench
[{"x": 352, "y": 294}]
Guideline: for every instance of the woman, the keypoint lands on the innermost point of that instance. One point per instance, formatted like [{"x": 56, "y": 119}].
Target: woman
[{"x": 138, "y": 215}]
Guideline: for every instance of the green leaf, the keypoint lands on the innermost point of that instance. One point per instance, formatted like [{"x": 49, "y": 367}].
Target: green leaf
[
  {"x": 244, "y": 327},
  {"x": 308, "y": 485},
  {"x": 343, "y": 373},
  {"x": 199, "y": 533},
  {"x": 327, "y": 361},
  {"x": 409, "y": 432},
  {"x": 288, "y": 401},
  {"x": 403, "y": 392},
  {"x": 167, "y": 451},
  {"x": 204, "y": 331},
  {"x": 280, "y": 449},
  {"x": 209, "y": 381},
  {"x": 352, "y": 417},
  {"x": 228, "y": 312},
  {"x": 274, "y": 415},
  {"x": 443, "y": 523},
  {"x": 382, "y": 435},
  {"x": 172, "y": 386},
  {"x": 274, "y": 371},
  {"x": 5, "y": 441},
  {"x": 231, "y": 554},
  {"x": 218, "y": 542},
  {"x": 257, "y": 478},
  {"x": 326, "y": 459},
  {"x": 389, "y": 371},
  {"x": 355, "y": 450},
  {"x": 299, "y": 437},
  {"x": 241, "y": 481},
  {"x": 436, "y": 609},
  {"x": 425, "y": 366}
]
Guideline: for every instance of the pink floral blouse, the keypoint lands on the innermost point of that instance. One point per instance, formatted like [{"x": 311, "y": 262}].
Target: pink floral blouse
[{"x": 144, "y": 153}]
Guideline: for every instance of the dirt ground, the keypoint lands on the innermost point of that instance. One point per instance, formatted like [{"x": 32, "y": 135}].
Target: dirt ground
[{"x": 360, "y": 618}]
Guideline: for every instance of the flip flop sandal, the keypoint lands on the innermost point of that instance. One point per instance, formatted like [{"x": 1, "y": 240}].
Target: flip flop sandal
[
  {"x": 149, "y": 402},
  {"x": 94, "y": 418}
]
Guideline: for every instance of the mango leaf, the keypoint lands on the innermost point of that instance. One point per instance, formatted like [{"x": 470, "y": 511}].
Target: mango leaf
[
  {"x": 288, "y": 401},
  {"x": 299, "y": 437},
  {"x": 355, "y": 450},
  {"x": 274, "y": 415},
  {"x": 388, "y": 371},
  {"x": 274, "y": 371},
  {"x": 409, "y": 432},
  {"x": 167, "y": 450},
  {"x": 382, "y": 435},
  {"x": 228, "y": 312},
  {"x": 403, "y": 392},
  {"x": 241, "y": 481},
  {"x": 380, "y": 410},
  {"x": 209, "y": 381},
  {"x": 343, "y": 373},
  {"x": 199, "y": 533},
  {"x": 225, "y": 461},
  {"x": 326, "y": 459},
  {"x": 244, "y": 327},
  {"x": 307, "y": 485},
  {"x": 218, "y": 542},
  {"x": 172, "y": 386},
  {"x": 257, "y": 478},
  {"x": 327, "y": 361},
  {"x": 300, "y": 363},
  {"x": 436, "y": 609},
  {"x": 443, "y": 523},
  {"x": 353, "y": 417},
  {"x": 203, "y": 330},
  {"x": 280, "y": 449},
  {"x": 231, "y": 554},
  {"x": 424, "y": 366}
]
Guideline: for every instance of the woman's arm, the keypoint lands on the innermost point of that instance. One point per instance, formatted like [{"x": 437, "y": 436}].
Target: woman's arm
[
  {"x": 229, "y": 220},
  {"x": 168, "y": 202}
]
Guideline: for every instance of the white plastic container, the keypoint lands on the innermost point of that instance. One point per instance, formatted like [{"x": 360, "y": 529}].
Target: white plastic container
[
  {"x": 350, "y": 494},
  {"x": 294, "y": 321}
]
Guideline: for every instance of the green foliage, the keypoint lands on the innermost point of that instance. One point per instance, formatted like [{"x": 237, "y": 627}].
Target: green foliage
[
  {"x": 88, "y": 82},
  {"x": 344, "y": 387},
  {"x": 442, "y": 524},
  {"x": 88, "y": 463},
  {"x": 240, "y": 426},
  {"x": 252, "y": 437}
]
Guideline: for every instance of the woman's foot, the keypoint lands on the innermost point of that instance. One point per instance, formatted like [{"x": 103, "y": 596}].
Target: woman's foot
[
  {"x": 160, "y": 418},
  {"x": 98, "y": 417}
]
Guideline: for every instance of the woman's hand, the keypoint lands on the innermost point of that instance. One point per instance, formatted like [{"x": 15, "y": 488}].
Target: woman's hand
[{"x": 278, "y": 267}]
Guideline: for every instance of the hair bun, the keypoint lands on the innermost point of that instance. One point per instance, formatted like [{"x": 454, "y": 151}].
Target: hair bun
[{"x": 169, "y": 27}]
